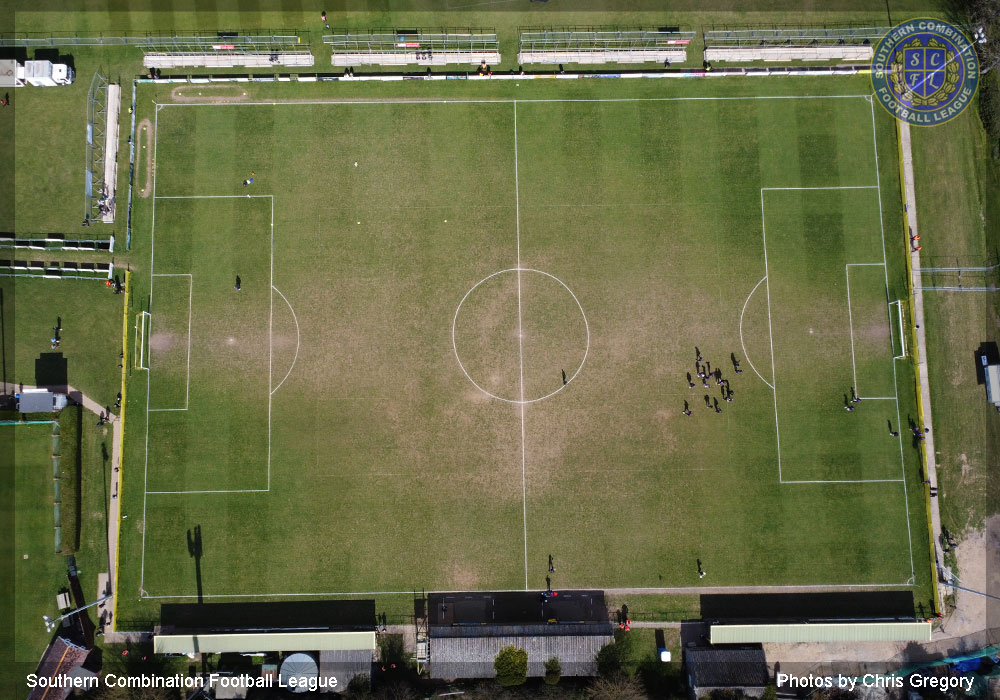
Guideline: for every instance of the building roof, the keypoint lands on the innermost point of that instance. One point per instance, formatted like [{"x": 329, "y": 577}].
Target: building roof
[
  {"x": 472, "y": 657},
  {"x": 285, "y": 616},
  {"x": 62, "y": 657},
  {"x": 726, "y": 668},
  {"x": 345, "y": 665},
  {"x": 824, "y": 632},
  {"x": 552, "y": 629},
  {"x": 257, "y": 642},
  {"x": 516, "y": 608},
  {"x": 36, "y": 401},
  {"x": 827, "y": 606}
]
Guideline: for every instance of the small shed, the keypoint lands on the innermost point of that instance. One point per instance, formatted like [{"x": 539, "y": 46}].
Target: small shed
[
  {"x": 9, "y": 74},
  {"x": 991, "y": 374},
  {"x": 711, "y": 669},
  {"x": 40, "y": 401}
]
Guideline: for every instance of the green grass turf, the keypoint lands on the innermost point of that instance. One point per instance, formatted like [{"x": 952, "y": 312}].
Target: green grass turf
[
  {"x": 90, "y": 315},
  {"x": 958, "y": 212},
  {"x": 39, "y": 572},
  {"x": 391, "y": 471}
]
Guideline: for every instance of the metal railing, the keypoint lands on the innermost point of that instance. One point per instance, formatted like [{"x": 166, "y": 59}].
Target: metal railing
[
  {"x": 405, "y": 41},
  {"x": 590, "y": 39},
  {"x": 189, "y": 41},
  {"x": 792, "y": 36}
]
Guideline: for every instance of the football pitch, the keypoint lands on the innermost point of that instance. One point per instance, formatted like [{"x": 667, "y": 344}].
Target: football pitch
[{"x": 465, "y": 336}]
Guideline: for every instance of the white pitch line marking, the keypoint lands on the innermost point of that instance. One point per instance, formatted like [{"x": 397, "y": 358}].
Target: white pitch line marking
[
  {"x": 909, "y": 583},
  {"x": 152, "y": 269},
  {"x": 520, "y": 351},
  {"x": 770, "y": 334},
  {"x": 511, "y": 101},
  {"x": 298, "y": 338},
  {"x": 885, "y": 267},
  {"x": 742, "y": 345},
  {"x": 850, "y": 325},
  {"x": 844, "y": 481}
]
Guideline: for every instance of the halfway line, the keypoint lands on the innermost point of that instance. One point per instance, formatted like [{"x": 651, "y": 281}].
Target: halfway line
[{"x": 520, "y": 352}]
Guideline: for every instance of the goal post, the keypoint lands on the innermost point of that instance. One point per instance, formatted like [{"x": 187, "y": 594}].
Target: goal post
[
  {"x": 898, "y": 304},
  {"x": 142, "y": 325}
]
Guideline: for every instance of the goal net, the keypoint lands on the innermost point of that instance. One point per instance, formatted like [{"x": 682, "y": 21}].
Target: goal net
[
  {"x": 142, "y": 325},
  {"x": 897, "y": 316}
]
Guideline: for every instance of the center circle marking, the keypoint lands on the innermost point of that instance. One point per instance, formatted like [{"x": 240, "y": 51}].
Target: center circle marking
[{"x": 458, "y": 357}]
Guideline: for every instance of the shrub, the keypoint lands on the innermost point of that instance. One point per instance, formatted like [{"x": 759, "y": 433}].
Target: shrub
[
  {"x": 553, "y": 671},
  {"x": 616, "y": 687},
  {"x": 511, "y": 665},
  {"x": 989, "y": 106}
]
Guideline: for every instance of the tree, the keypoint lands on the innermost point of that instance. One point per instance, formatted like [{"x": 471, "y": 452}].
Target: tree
[
  {"x": 397, "y": 691},
  {"x": 511, "y": 665},
  {"x": 984, "y": 23},
  {"x": 553, "y": 671},
  {"x": 609, "y": 660},
  {"x": 617, "y": 686}
]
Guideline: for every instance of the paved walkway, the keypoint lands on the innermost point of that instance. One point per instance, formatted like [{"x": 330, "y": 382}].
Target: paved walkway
[{"x": 923, "y": 387}]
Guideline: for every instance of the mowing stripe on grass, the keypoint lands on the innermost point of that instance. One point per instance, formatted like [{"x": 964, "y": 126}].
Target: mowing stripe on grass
[
  {"x": 881, "y": 221},
  {"x": 168, "y": 362}
]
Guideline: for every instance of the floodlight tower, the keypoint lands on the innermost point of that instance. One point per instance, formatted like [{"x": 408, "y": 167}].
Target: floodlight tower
[{"x": 50, "y": 623}]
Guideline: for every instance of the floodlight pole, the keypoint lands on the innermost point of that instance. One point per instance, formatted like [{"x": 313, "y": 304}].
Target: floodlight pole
[{"x": 50, "y": 624}]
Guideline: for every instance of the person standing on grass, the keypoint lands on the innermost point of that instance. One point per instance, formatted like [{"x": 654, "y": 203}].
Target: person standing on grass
[
  {"x": 237, "y": 287},
  {"x": 322, "y": 17}
]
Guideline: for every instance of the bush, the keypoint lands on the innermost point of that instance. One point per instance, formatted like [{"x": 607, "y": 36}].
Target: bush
[
  {"x": 553, "y": 671},
  {"x": 989, "y": 106},
  {"x": 511, "y": 665},
  {"x": 616, "y": 687}
]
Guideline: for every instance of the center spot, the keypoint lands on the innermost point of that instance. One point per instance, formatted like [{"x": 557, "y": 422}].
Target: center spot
[{"x": 520, "y": 335}]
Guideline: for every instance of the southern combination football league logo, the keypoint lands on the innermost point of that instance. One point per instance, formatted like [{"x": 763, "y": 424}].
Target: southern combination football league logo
[{"x": 925, "y": 71}]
